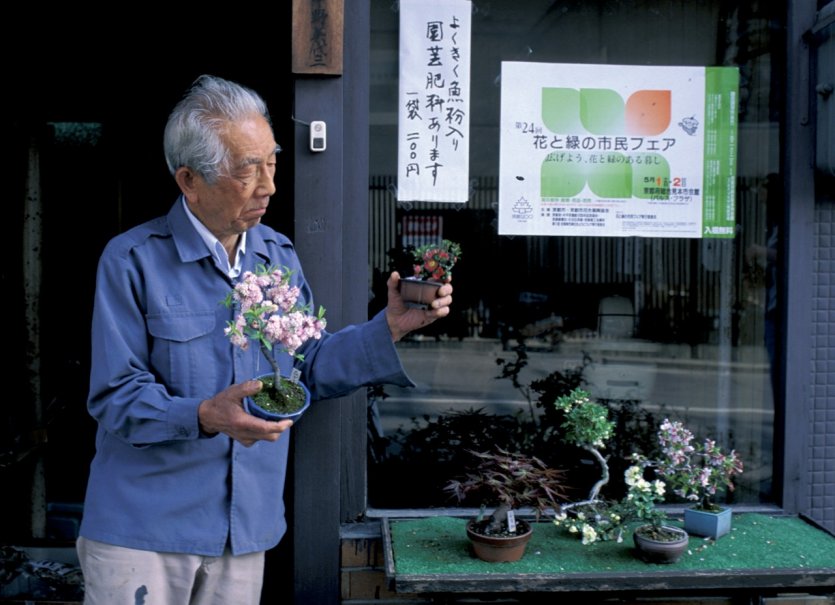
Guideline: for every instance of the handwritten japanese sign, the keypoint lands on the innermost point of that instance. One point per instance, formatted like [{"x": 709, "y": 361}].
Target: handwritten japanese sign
[
  {"x": 615, "y": 150},
  {"x": 434, "y": 101}
]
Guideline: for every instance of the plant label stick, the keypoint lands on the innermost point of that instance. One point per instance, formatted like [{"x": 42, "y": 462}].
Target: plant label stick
[{"x": 511, "y": 522}]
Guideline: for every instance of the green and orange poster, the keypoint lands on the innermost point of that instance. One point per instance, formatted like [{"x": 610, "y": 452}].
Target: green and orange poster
[{"x": 618, "y": 150}]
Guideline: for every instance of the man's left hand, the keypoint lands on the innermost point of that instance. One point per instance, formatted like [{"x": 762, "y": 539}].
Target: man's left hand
[{"x": 403, "y": 319}]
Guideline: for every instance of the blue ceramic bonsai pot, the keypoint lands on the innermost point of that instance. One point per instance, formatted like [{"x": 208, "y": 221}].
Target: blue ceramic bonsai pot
[
  {"x": 259, "y": 407},
  {"x": 707, "y": 524}
]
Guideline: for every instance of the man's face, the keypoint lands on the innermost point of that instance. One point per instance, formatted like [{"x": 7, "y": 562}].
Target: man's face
[{"x": 239, "y": 199}]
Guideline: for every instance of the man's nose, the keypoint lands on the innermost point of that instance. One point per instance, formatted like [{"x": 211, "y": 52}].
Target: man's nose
[{"x": 266, "y": 181}]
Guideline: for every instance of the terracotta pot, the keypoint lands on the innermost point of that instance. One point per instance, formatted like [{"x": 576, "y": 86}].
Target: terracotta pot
[
  {"x": 251, "y": 406},
  {"x": 500, "y": 549},
  {"x": 418, "y": 293},
  {"x": 706, "y": 523},
  {"x": 654, "y": 550}
]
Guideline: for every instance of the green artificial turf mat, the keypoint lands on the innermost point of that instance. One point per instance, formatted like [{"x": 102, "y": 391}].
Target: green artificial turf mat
[{"x": 439, "y": 545}]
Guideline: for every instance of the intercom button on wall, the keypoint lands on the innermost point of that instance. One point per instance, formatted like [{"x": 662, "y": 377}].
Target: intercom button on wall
[{"x": 318, "y": 136}]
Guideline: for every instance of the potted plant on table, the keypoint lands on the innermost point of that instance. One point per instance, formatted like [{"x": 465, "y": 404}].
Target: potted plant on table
[
  {"x": 697, "y": 472},
  {"x": 586, "y": 424},
  {"x": 268, "y": 313},
  {"x": 656, "y": 541},
  {"x": 508, "y": 481},
  {"x": 432, "y": 268}
]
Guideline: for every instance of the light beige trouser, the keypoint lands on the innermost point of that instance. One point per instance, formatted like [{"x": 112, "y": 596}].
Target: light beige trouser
[{"x": 114, "y": 575}]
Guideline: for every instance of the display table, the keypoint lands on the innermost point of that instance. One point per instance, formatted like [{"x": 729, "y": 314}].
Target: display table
[{"x": 432, "y": 555}]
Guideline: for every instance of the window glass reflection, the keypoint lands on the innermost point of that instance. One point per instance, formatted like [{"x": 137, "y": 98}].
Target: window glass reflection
[{"x": 652, "y": 327}]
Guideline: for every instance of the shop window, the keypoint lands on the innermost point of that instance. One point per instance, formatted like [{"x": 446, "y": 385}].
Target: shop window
[{"x": 652, "y": 327}]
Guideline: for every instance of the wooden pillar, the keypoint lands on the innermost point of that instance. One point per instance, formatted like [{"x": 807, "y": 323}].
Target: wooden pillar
[{"x": 32, "y": 277}]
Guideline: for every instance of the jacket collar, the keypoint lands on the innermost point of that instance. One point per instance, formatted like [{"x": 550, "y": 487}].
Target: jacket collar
[{"x": 191, "y": 247}]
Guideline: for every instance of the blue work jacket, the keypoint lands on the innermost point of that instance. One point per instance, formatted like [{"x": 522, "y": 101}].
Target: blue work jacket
[{"x": 158, "y": 350}]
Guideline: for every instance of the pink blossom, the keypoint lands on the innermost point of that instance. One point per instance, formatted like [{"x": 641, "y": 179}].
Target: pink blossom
[
  {"x": 696, "y": 472},
  {"x": 268, "y": 310}
]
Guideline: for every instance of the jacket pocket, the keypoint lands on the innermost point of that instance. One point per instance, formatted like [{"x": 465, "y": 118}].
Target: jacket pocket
[{"x": 182, "y": 352}]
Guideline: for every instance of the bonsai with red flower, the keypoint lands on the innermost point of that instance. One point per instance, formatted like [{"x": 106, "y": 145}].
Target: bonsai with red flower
[
  {"x": 432, "y": 267},
  {"x": 435, "y": 261}
]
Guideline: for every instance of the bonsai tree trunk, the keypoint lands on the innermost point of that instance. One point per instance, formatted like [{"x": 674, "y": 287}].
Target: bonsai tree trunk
[
  {"x": 595, "y": 489},
  {"x": 604, "y": 472},
  {"x": 498, "y": 517},
  {"x": 273, "y": 364},
  {"x": 706, "y": 504}
]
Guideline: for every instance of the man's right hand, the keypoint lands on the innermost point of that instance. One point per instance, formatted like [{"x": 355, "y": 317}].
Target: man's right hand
[{"x": 224, "y": 413}]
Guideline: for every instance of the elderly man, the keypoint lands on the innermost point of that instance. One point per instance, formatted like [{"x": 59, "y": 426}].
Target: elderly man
[{"x": 185, "y": 490}]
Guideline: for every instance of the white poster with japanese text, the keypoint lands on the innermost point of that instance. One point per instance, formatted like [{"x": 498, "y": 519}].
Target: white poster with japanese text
[
  {"x": 434, "y": 101},
  {"x": 617, "y": 150}
]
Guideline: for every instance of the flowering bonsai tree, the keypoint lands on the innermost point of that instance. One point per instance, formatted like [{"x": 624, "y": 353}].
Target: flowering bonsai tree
[
  {"x": 268, "y": 313},
  {"x": 586, "y": 424},
  {"x": 694, "y": 471},
  {"x": 435, "y": 261},
  {"x": 509, "y": 481},
  {"x": 431, "y": 268},
  {"x": 597, "y": 520}
]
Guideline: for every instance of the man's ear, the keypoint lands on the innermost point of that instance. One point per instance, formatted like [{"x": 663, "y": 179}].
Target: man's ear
[{"x": 187, "y": 182}]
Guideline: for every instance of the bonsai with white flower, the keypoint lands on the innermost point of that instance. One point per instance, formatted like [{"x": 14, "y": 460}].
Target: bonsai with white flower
[
  {"x": 268, "y": 313},
  {"x": 587, "y": 425},
  {"x": 598, "y": 520}
]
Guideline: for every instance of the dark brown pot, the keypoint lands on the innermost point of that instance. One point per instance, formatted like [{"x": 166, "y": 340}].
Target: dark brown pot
[
  {"x": 418, "y": 293},
  {"x": 500, "y": 549},
  {"x": 661, "y": 550}
]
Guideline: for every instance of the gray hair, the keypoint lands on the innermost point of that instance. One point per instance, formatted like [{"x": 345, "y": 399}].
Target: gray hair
[{"x": 193, "y": 132}]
